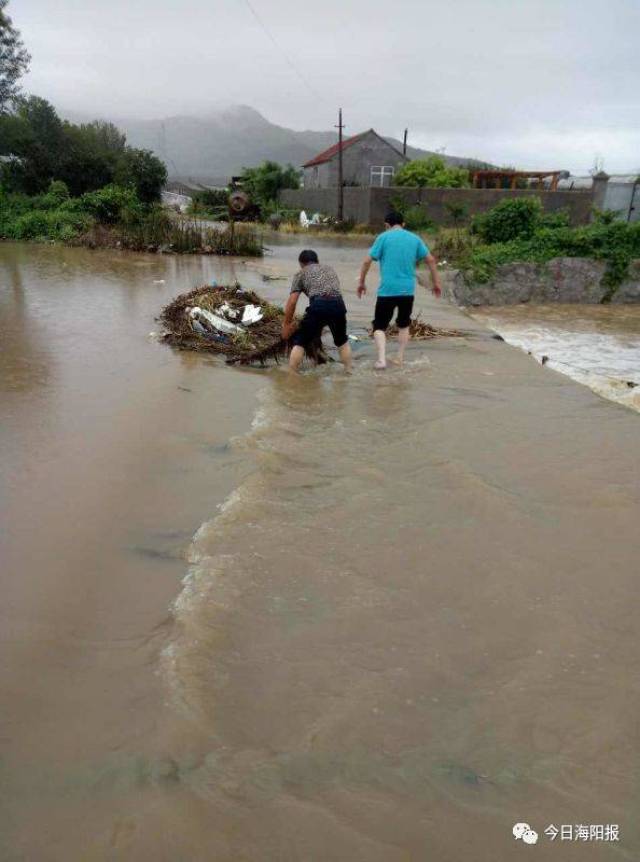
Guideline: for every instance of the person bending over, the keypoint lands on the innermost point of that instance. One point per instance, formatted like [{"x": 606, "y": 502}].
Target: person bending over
[
  {"x": 326, "y": 308},
  {"x": 399, "y": 252}
]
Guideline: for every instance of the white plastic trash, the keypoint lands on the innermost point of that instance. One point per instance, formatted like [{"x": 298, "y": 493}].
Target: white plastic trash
[
  {"x": 219, "y": 323},
  {"x": 251, "y": 314},
  {"x": 304, "y": 219}
]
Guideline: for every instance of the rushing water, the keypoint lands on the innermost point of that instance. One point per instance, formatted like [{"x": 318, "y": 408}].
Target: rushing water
[
  {"x": 244, "y": 617},
  {"x": 597, "y": 345}
]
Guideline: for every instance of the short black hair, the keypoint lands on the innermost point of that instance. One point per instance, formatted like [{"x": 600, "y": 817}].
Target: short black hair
[
  {"x": 393, "y": 217},
  {"x": 308, "y": 256}
]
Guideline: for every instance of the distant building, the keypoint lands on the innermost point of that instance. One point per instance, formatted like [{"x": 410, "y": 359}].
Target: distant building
[{"x": 367, "y": 160}]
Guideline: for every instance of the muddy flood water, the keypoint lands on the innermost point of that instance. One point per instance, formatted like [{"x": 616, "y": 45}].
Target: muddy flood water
[{"x": 245, "y": 618}]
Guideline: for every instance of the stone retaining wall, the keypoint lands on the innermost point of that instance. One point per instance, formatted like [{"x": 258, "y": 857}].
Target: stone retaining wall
[{"x": 563, "y": 279}]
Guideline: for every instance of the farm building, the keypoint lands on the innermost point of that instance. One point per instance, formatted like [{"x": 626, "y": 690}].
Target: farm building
[{"x": 367, "y": 160}]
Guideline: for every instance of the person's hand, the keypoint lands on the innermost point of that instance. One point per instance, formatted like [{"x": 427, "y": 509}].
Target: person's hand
[
  {"x": 362, "y": 289},
  {"x": 287, "y": 330},
  {"x": 436, "y": 290}
]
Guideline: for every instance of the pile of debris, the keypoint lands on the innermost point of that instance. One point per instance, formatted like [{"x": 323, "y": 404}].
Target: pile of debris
[
  {"x": 230, "y": 321},
  {"x": 421, "y": 330}
]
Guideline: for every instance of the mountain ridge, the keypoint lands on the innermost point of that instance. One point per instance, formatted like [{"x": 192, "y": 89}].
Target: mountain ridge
[{"x": 219, "y": 144}]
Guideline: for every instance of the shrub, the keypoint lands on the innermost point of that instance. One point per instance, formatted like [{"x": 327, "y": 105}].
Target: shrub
[
  {"x": 111, "y": 204},
  {"x": 554, "y": 220},
  {"x": 514, "y": 218},
  {"x": 57, "y": 193},
  {"x": 48, "y": 224},
  {"x": 432, "y": 172},
  {"x": 416, "y": 218},
  {"x": 617, "y": 244},
  {"x": 605, "y": 216}
]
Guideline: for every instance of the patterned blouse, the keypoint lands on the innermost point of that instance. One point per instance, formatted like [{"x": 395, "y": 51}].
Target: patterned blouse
[{"x": 317, "y": 280}]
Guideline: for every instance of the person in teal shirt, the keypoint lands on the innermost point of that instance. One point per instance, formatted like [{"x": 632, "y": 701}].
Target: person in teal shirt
[{"x": 398, "y": 252}]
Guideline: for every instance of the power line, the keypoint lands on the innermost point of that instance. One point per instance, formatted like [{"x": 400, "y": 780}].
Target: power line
[{"x": 282, "y": 53}]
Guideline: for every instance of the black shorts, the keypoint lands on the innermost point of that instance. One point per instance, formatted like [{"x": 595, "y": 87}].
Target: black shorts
[
  {"x": 321, "y": 313},
  {"x": 386, "y": 305}
]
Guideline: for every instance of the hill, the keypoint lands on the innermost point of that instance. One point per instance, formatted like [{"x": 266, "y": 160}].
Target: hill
[{"x": 212, "y": 148}]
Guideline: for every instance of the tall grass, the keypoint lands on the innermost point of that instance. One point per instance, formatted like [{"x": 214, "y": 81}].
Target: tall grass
[{"x": 160, "y": 232}]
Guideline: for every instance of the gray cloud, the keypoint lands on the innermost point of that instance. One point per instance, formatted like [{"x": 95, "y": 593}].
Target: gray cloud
[{"x": 538, "y": 83}]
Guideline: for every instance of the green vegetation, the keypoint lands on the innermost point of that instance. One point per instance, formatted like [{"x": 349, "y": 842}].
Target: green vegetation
[
  {"x": 41, "y": 147},
  {"x": 616, "y": 243},
  {"x": 432, "y": 173},
  {"x": 14, "y": 59},
  {"x": 263, "y": 183},
  {"x": 514, "y": 218},
  {"x": 518, "y": 230},
  {"x": 114, "y": 216},
  {"x": 210, "y": 204}
]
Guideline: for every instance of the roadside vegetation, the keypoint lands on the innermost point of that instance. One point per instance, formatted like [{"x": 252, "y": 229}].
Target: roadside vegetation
[
  {"x": 518, "y": 230},
  {"x": 115, "y": 217}
]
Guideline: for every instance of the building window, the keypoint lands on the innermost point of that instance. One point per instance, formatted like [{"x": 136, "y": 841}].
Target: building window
[{"x": 381, "y": 175}]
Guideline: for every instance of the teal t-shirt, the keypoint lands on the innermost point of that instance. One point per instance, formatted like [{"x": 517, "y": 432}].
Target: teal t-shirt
[{"x": 398, "y": 251}]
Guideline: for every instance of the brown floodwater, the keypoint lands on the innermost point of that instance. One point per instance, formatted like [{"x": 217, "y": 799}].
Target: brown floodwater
[{"x": 381, "y": 617}]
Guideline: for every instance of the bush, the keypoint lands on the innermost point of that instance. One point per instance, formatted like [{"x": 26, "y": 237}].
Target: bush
[
  {"x": 416, "y": 218},
  {"x": 554, "y": 220},
  {"x": 432, "y": 173},
  {"x": 514, "y": 218},
  {"x": 47, "y": 224},
  {"x": 617, "y": 244},
  {"x": 57, "y": 193},
  {"x": 111, "y": 204}
]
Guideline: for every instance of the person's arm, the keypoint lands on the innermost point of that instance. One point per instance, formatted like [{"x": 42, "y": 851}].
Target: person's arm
[
  {"x": 432, "y": 264},
  {"x": 362, "y": 284},
  {"x": 289, "y": 311},
  {"x": 375, "y": 253}
]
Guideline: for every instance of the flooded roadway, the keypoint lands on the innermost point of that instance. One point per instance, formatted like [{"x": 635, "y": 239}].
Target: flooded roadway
[{"x": 382, "y": 617}]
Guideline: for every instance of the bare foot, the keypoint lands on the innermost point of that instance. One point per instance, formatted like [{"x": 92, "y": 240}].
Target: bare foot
[
  {"x": 380, "y": 365},
  {"x": 399, "y": 362}
]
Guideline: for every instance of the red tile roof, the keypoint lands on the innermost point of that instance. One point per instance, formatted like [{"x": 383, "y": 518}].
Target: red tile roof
[{"x": 327, "y": 155}]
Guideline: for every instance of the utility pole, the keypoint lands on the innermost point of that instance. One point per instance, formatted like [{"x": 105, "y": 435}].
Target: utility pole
[
  {"x": 404, "y": 143},
  {"x": 340, "y": 127}
]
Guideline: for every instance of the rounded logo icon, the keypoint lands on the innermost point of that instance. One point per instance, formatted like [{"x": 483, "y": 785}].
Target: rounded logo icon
[
  {"x": 530, "y": 837},
  {"x": 519, "y": 829}
]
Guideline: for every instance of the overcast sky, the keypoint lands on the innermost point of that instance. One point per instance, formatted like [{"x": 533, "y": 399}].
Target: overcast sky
[{"x": 535, "y": 83}]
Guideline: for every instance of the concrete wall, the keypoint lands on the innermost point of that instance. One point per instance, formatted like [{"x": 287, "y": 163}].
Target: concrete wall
[
  {"x": 623, "y": 198},
  {"x": 476, "y": 201},
  {"x": 325, "y": 201},
  {"x": 368, "y": 205}
]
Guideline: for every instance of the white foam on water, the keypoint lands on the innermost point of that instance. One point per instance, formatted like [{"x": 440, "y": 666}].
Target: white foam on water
[{"x": 607, "y": 362}]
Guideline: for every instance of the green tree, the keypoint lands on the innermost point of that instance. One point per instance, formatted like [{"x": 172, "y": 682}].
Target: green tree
[
  {"x": 92, "y": 154},
  {"x": 143, "y": 171},
  {"x": 14, "y": 59},
  {"x": 432, "y": 173},
  {"x": 264, "y": 182},
  {"x": 37, "y": 142}
]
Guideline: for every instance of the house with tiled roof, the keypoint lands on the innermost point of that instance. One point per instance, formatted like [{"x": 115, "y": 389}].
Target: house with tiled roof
[{"x": 367, "y": 160}]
